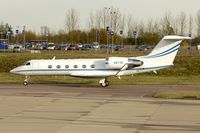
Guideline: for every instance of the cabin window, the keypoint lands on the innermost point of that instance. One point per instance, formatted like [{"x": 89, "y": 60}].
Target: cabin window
[
  {"x": 49, "y": 66},
  {"x": 28, "y": 64},
  {"x": 75, "y": 66},
  {"x": 58, "y": 66},
  {"x": 66, "y": 66},
  {"x": 92, "y": 66},
  {"x": 83, "y": 66}
]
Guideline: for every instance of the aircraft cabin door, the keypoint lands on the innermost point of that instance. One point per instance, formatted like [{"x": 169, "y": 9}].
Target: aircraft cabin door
[{"x": 34, "y": 66}]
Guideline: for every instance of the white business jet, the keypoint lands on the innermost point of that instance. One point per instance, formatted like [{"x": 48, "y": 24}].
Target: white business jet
[{"x": 162, "y": 56}]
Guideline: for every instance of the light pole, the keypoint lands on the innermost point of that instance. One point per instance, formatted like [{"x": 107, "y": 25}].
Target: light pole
[
  {"x": 112, "y": 34},
  {"x": 1, "y": 34},
  {"x": 107, "y": 27},
  {"x": 130, "y": 40},
  {"x": 112, "y": 13},
  {"x": 17, "y": 32},
  {"x": 106, "y": 11},
  {"x": 135, "y": 34},
  {"x": 190, "y": 35},
  {"x": 47, "y": 36},
  {"x": 88, "y": 37},
  {"x": 121, "y": 33},
  {"x": 8, "y": 37},
  {"x": 24, "y": 33},
  {"x": 107, "y": 30},
  {"x": 98, "y": 39},
  {"x": 1, "y": 37}
]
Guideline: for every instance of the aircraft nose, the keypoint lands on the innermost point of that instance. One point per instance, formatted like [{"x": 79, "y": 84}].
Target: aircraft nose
[{"x": 13, "y": 71}]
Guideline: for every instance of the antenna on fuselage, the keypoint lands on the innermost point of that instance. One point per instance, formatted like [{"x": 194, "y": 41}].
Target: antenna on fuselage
[
  {"x": 155, "y": 71},
  {"x": 54, "y": 58}
]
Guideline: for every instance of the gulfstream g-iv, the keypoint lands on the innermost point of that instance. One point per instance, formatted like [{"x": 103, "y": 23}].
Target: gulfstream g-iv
[{"x": 162, "y": 56}]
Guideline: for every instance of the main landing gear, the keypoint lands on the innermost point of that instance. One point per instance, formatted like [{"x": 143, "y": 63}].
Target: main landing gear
[
  {"x": 104, "y": 82},
  {"x": 25, "y": 83}
]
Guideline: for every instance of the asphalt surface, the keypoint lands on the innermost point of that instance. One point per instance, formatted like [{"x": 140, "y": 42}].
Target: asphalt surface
[
  {"x": 63, "y": 90},
  {"x": 60, "y": 108}
]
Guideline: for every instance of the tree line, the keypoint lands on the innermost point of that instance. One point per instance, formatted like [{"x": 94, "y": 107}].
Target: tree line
[{"x": 110, "y": 25}]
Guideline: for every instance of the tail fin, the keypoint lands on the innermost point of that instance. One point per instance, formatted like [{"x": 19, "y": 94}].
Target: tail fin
[{"x": 166, "y": 49}]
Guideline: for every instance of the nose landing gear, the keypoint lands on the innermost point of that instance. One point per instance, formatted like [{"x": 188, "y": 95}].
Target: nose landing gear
[
  {"x": 104, "y": 82},
  {"x": 25, "y": 83}
]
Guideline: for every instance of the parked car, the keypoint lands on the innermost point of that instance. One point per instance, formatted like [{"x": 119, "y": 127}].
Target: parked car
[
  {"x": 86, "y": 47},
  {"x": 103, "y": 46},
  {"x": 28, "y": 46},
  {"x": 96, "y": 46},
  {"x": 63, "y": 47},
  {"x": 39, "y": 47},
  {"x": 198, "y": 47},
  {"x": 73, "y": 47},
  {"x": 51, "y": 46},
  {"x": 80, "y": 45},
  {"x": 144, "y": 47},
  {"x": 119, "y": 47},
  {"x": 111, "y": 46},
  {"x": 16, "y": 49}
]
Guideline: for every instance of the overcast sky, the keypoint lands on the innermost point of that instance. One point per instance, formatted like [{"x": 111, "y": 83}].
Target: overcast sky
[{"x": 37, "y": 13}]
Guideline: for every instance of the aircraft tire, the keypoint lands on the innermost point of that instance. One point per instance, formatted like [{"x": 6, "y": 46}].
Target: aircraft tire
[
  {"x": 107, "y": 83},
  {"x": 103, "y": 84},
  {"x": 25, "y": 83}
]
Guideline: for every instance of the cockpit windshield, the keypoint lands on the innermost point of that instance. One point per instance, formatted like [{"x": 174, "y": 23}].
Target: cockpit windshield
[{"x": 27, "y": 64}]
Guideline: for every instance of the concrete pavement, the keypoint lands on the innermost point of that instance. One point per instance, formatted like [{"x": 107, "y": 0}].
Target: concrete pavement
[{"x": 76, "y": 112}]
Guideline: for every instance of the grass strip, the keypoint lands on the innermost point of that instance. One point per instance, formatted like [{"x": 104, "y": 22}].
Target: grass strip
[{"x": 178, "y": 95}]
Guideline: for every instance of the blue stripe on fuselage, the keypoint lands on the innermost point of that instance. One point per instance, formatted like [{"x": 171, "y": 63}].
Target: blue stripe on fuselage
[{"x": 169, "y": 51}]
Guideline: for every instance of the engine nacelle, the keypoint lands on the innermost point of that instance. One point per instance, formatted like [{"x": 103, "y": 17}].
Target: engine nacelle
[
  {"x": 116, "y": 62},
  {"x": 134, "y": 63},
  {"x": 120, "y": 62}
]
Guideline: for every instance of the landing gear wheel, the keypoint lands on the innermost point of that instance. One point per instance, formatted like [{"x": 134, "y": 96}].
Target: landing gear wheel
[
  {"x": 25, "y": 83},
  {"x": 107, "y": 83},
  {"x": 104, "y": 82},
  {"x": 103, "y": 85}
]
